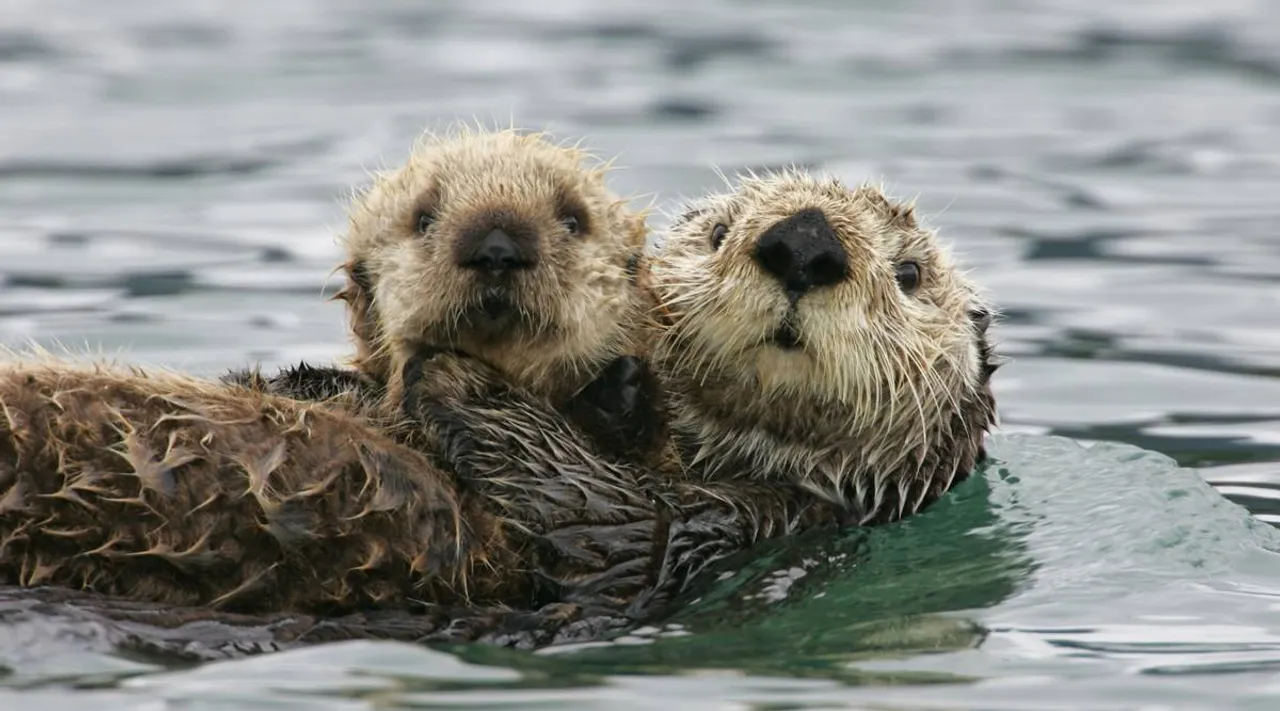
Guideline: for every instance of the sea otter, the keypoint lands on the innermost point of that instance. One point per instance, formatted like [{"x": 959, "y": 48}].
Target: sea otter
[
  {"x": 160, "y": 487},
  {"x": 512, "y": 249}
]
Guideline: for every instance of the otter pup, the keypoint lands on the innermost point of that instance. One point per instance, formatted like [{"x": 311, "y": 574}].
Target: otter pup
[
  {"x": 540, "y": 261},
  {"x": 511, "y": 249}
]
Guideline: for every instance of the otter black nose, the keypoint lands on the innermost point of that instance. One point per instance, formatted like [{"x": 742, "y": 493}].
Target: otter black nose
[
  {"x": 496, "y": 252},
  {"x": 803, "y": 252}
]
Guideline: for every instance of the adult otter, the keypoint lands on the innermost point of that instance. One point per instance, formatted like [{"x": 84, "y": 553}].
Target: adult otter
[
  {"x": 160, "y": 487},
  {"x": 513, "y": 250}
]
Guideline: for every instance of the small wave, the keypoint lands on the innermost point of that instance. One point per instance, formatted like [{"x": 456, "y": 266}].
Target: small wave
[
  {"x": 177, "y": 168},
  {"x": 18, "y": 46}
]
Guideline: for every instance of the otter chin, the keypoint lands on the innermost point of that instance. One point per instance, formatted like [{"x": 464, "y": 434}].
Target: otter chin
[{"x": 818, "y": 334}]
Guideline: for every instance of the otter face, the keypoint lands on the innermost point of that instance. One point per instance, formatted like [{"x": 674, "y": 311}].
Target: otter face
[
  {"x": 813, "y": 331},
  {"x": 498, "y": 244}
]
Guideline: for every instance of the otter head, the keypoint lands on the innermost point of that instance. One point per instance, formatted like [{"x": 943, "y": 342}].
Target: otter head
[
  {"x": 818, "y": 333},
  {"x": 501, "y": 245}
]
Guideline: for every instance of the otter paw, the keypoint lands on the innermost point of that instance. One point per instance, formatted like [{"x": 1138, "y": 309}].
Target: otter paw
[
  {"x": 444, "y": 374},
  {"x": 436, "y": 392},
  {"x": 618, "y": 392},
  {"x": 618, "y": 408}
]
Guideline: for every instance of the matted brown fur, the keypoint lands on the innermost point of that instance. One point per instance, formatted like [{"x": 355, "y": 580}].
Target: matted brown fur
[
  {"x": 574, "y": 311},
  {"x": 161, "y": 487},
  {"x": 886, "y": 399}
]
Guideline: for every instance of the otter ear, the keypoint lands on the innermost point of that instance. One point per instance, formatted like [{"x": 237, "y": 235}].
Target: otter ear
[
  {"x": 981, "y": 319},
  {"x": 637, "y": 228},
  {"x": 899, "y": 214},
  {"x": 902, "y": 215}
]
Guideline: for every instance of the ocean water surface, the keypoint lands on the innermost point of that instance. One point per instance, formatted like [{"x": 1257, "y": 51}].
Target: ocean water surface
[{"x": 171, "y": 178}]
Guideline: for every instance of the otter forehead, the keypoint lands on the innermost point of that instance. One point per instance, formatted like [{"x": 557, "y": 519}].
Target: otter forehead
[
  {"x": 866, "y": 224},
  {"x": 456, "y": 178}
]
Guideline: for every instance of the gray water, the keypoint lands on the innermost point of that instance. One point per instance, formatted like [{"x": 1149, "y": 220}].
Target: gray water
[{"x": 171, "y": 177}]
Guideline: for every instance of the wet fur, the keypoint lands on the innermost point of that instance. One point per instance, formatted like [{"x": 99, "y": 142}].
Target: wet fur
[
  {"x": 769, "y": 447},
  {"x": 536, "y": 518},
  {"x": 885, "y": 409},
  {"x": 580, "y": 338},
  {"x": 160, "y": 487}
]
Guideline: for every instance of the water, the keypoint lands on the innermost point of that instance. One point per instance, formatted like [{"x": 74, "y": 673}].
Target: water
[{"x": 170, "y": 184}]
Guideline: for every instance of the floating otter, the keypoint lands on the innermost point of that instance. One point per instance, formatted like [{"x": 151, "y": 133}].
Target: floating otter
[{"x": 160, "y": 487}]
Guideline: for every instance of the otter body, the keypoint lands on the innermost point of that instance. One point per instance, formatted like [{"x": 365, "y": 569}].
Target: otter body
[{"x": 164, "y": 488}]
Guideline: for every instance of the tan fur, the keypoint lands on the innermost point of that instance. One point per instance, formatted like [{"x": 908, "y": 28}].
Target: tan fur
[
  {"x": 886, "y": 401},
  {"x": 162, "y": 487},
  {"x": 579, "y": 307}
]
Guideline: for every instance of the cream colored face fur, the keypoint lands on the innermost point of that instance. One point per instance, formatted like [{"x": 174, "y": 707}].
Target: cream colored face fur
[
  {"x": 570, "y": 312},
  {"x": 879, "y": 372}
]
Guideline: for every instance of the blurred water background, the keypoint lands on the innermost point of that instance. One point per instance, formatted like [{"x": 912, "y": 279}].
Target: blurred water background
[{"x": 171, "y": 178}]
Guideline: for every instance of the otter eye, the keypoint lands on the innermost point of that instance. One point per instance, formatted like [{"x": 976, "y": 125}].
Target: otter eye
[
  {"x": 425, "y": 218},
  {"x": 571, "y": 223},
  {"x": 717, "y": 235},
  {"x": 908, "y": 277}
]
